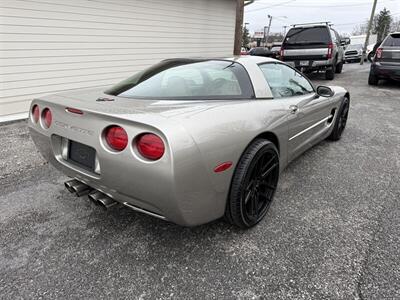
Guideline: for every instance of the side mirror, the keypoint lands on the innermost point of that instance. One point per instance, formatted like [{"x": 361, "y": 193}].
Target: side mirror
[{"x": 325, "y": 91}]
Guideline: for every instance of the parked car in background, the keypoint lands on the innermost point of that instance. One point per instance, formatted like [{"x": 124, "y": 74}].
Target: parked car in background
[
  {"x": 275, "y": 51},
  {"x": 313, "y": 47},
  {"x": 260, "y": 51},
  {"x": 353, "y": 53},
  {"x": 243, "y": 51},
  {"x": 188, "y": 140},
  {"x": 386, "y": 62}
]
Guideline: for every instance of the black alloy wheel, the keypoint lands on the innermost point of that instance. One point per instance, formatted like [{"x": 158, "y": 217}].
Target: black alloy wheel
[
  {"x": 343, "y": 117},
  {"x": 341, "y": 120},
  {"x": 253, "y": 184}
]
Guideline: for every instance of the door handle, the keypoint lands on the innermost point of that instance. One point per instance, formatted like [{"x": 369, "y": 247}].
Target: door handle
[{"x": 293, "y": 109}]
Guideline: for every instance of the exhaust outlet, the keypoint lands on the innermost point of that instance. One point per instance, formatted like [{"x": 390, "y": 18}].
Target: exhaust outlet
[
  {"x": 102, "y": 200},
  {"x": 106, "y": 202},
  {"x": 68, "y": 185},
  {"x": 77, "y": 187},
  {"x": 95, "y": 196}
]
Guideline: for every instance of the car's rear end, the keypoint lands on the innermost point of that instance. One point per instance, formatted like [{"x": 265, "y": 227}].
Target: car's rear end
[
  {"x": 308, "y": 48},
  {"x": 115, "y": 147},
  {"x": 386, "y": 63}
]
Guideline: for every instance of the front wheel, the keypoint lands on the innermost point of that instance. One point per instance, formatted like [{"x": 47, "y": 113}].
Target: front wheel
[
  {"x": 253, "y": 184},
  {"x": 341, "y": 120}
]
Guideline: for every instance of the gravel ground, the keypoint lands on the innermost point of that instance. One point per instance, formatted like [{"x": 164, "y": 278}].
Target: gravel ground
[{"x": 333, "y": 231}]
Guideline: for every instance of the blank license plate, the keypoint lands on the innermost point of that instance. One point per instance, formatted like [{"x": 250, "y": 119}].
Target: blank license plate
[
  {"x": 304, "y": 63},
  {"x": 82, "y": 155}
]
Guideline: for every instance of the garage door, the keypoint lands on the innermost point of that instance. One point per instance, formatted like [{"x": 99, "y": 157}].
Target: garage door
[{"x": 48, "y": 46}]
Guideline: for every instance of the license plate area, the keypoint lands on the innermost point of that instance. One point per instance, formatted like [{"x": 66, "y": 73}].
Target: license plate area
[
  {"x": 304, "y": 63},
  {"x": 81, "y": 155}
]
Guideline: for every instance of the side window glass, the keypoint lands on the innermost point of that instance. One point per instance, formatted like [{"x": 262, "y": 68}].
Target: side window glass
[
  {"x": 285, "y": 81},
  {"x": 334, "y": 38}
]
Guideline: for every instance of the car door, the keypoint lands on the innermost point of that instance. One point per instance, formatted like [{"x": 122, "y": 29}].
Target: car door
[{"x": 308, "y": 115}]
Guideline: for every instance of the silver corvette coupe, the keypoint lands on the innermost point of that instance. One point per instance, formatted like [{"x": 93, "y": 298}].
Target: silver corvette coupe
[{"x": 188, "y": 140}]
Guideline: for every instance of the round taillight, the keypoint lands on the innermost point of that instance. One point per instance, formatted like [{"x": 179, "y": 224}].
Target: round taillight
[
  {"x": 150, "y": 146},
  {"x": 116, "y": 137},
  {"x": 46, "y": 117},
  {"x": 35, "y": 113}
]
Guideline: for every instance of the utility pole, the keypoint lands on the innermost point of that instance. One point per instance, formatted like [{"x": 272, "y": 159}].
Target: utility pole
[
  {"x": 238, "y": 27},
  {"x": 269, "y": 27},
  {"x": 284, "y": 30},
  {"x": 265, "y": 40},
  {"x": 368, "y": 32}
]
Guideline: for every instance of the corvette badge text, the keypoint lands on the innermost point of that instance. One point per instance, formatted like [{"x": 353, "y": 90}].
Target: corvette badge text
[{"x": 74, "y": 128}]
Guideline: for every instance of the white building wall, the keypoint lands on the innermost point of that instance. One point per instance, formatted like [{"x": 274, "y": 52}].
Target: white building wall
[{"x": 47, "y": 46}]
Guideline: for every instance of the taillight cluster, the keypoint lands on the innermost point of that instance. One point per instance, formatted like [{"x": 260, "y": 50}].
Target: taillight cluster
[
  {"x": 330, "y": 51},
  {"x": 148, "y": 145},
  {"x": 45, "y": 117},
  {"x": 378, "y": 53}
]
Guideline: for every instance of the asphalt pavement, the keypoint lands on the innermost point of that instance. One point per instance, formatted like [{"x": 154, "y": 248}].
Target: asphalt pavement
[{"x": 333, "y": 230}]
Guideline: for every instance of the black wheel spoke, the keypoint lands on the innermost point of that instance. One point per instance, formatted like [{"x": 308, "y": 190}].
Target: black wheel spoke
[
  {"x": 267, "y": 172},
  {"x": 268, "y": 186},
  {"x": 260, "y": 187},
  {"x": 250, "y": 185},
  {"x": 254, "y": 205},
  {"x": 268, "y": 163},
  {"x": 248, "y": 196}
]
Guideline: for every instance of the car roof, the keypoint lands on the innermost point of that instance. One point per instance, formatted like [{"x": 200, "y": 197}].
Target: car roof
[
  {"x": 251, "y": 59},
  {"x": 250, "y": 63}
]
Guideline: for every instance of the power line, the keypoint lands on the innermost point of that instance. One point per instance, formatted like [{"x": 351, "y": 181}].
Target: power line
[
  {"x": 284, "y": 4},
  {"x": 274, "y": 5}
]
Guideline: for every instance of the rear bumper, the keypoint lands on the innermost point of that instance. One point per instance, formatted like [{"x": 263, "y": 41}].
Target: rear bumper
[
  {"x": 386, "y": 71},
  {"x": 352, "y": 57},
  {"x": 310, "y": 64},
  {"x": 173, "y": 192}
]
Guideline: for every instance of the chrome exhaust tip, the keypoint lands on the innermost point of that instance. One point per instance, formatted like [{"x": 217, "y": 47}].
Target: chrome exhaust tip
[
  {"x": 95, "y": 196},
  {"x": 77, "y": 187},
  {"x": 101, "y": 200},
  {"x": 106, "y": 202}
]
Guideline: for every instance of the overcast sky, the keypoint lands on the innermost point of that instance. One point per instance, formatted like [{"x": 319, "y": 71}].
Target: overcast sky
[{"x": 344, "y": 14}]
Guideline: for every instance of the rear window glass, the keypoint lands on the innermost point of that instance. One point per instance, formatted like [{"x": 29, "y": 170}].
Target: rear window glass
[
  {"x": 392, "y": 40},
  {"x": 307, "y": 36},
  {"x": 187, "y": 80}
]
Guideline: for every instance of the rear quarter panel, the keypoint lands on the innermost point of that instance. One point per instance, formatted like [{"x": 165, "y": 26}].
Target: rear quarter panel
[{"x": 223, "y": 132}]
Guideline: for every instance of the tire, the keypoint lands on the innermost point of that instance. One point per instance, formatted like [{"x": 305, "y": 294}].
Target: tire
[
  {"x": 341, "y": 120},
  {"x": 373, "y": 79},
  {"x": 253, "y": 184},
  {"x": 339, "y": 68},
  {"x": 330, "y": 73}
]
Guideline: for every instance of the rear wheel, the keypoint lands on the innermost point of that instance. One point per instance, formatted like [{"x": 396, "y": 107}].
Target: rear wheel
[
  {"x": 341, "y": 120},
  {"x": 330, "y": 73},
  {"x": 253, "y": 184},
  {"x": 373, "y": 79}
]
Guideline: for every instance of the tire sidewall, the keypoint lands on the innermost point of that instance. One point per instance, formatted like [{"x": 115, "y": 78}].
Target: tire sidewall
[{"x": 235, "y": 205}]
